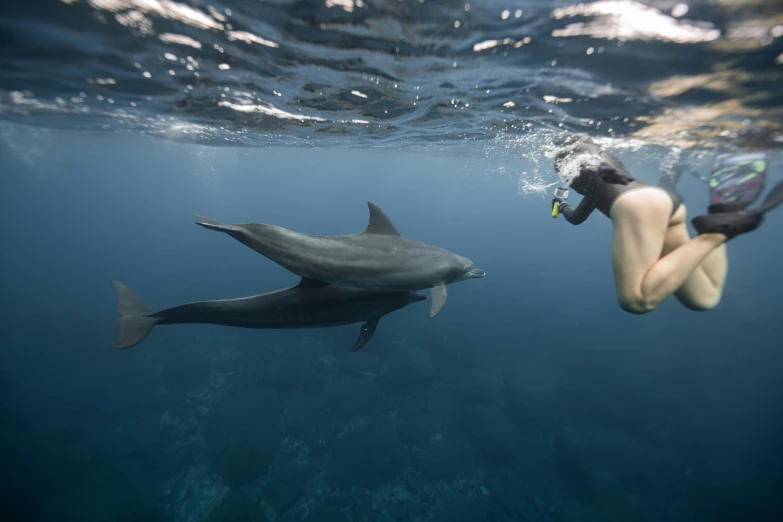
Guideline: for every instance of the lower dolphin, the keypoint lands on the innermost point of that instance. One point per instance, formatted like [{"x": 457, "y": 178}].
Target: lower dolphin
[
  {"x": 310, "y": 304},
  {"x": 378, "y": 258}
]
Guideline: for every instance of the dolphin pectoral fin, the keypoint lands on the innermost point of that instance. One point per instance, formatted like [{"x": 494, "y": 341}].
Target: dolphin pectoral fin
[
  {"x": 380, "y": 222},
  {"x": 438, "y": 299},
  {"x": 365, "y": 334}
]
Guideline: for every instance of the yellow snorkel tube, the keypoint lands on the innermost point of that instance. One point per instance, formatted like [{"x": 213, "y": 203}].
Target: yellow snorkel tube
[{"x": 560, "y": 194}]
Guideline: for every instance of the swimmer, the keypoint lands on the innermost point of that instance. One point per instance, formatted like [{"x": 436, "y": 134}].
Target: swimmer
[{"x": 653, "y": 256}]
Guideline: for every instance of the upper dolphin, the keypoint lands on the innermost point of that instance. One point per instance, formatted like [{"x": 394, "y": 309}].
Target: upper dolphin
[{"x": 378, "y": 258}]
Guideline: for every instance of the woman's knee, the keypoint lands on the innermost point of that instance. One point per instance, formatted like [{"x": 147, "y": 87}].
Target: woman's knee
[
  {"x": 702, "y": 303},
  {"x": 636, "y": 304}
]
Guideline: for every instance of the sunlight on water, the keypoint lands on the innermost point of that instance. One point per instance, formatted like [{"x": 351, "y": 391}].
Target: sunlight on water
[
  {"x": 409, "y": 72},
  {"x": 629, "y": 20}
]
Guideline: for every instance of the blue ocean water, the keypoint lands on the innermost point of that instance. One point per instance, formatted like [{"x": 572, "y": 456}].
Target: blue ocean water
[{"x": 531, "y": 397}]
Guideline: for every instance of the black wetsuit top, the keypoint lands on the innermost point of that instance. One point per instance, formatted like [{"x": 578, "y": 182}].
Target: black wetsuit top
[{"x": 600, "y": 186}]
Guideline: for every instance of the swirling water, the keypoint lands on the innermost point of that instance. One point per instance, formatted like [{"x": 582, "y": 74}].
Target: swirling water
[{"x": 394, "y": 72}]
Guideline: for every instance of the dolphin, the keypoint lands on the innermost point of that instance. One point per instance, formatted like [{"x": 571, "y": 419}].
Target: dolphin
[
  {"x": 310, "y": 304},
  {"x": 378, "y": 258}
]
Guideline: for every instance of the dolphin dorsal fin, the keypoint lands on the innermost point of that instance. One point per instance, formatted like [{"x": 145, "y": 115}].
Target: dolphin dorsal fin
[
  {"x": 311, "y": 283},
  {"x": 380, "y": 222}
]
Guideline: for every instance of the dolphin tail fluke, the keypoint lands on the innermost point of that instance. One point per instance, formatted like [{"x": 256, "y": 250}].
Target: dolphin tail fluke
[
  {"x": 365, "y": 334},
  {"x": 133, "y": 323},
  {"x": 438, "y": 299}
]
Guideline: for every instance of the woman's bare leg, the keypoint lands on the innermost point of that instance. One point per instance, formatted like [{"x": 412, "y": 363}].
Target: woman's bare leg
[
  {"x": 703, "y": 289},
  {"x": 643, "y": 279}
]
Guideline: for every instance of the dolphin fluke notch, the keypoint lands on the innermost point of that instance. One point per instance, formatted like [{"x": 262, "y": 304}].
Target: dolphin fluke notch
[
  {"x": 380, "y": 222},
  {"x": 133, "y": 323}
]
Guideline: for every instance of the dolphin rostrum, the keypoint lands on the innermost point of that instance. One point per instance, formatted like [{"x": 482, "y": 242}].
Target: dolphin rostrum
[
  {"x": 310, "y": 304},
  {"x": 378, "y": 258}
]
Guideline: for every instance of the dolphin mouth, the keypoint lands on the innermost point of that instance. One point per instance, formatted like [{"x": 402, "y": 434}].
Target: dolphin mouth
[{"x": 476, "y": 272}]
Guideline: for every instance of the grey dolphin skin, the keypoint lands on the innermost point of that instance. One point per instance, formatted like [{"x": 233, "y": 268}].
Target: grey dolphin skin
[
  {"x": 378, "y": 258},
  {"x": 310, "y": 304}
]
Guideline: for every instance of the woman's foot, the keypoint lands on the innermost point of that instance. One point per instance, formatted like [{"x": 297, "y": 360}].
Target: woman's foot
[
  {"x": 728, "y": 223},
  {"x": 732, "y": 219}
]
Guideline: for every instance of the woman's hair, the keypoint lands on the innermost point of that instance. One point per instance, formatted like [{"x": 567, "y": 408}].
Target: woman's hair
[
  {"x": 611, "y": 175},
  {"x": 567, "y": 139},
  {"x": 579, "y": 155}
]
